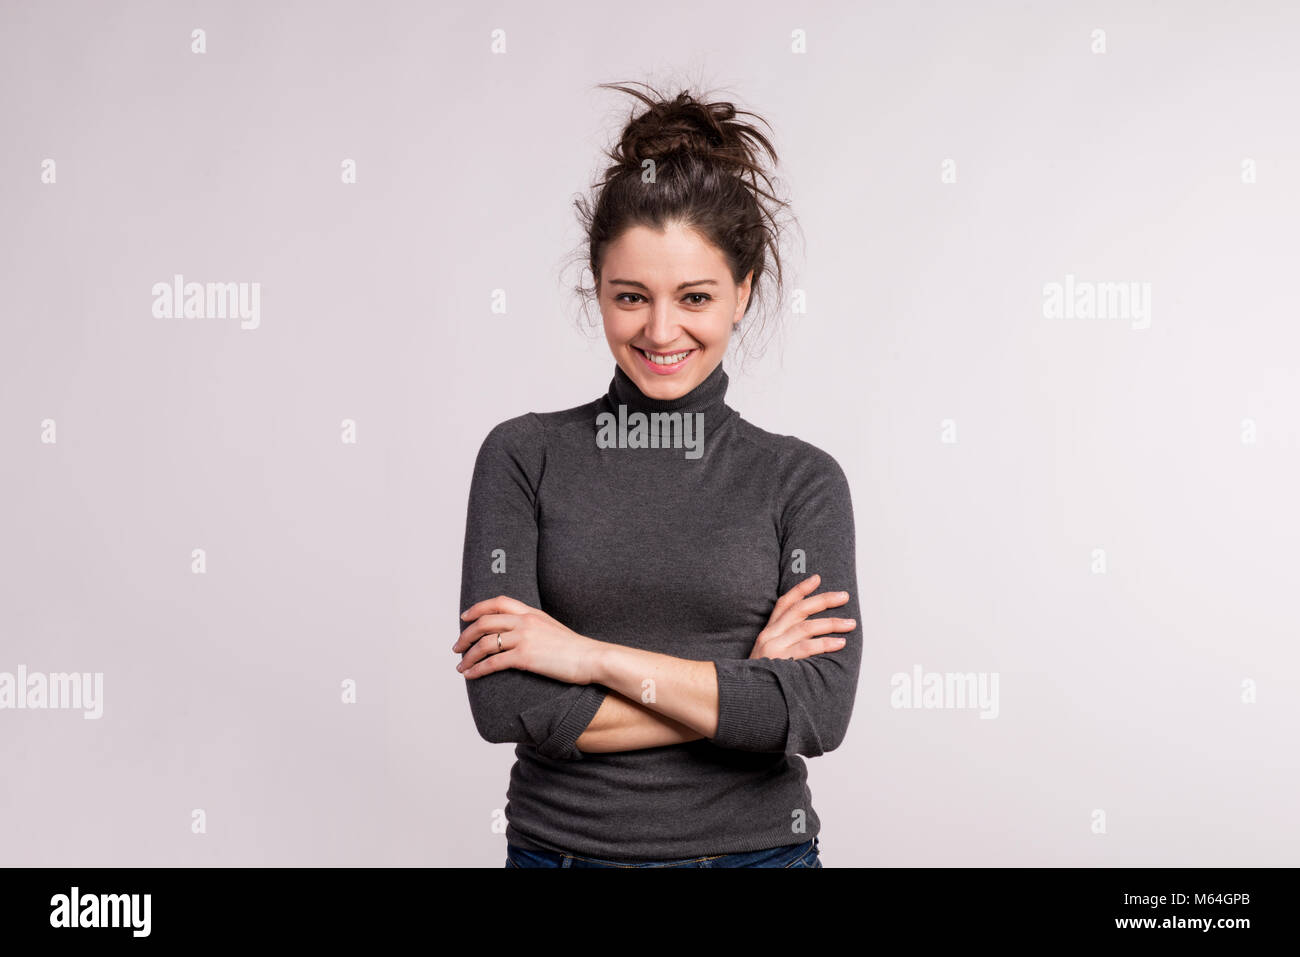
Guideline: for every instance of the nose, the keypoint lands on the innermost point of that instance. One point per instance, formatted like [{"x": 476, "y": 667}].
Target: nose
[{"x": 662, "y": 329}]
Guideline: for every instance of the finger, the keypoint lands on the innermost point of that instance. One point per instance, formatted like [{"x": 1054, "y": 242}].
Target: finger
[
  {"x": 807, "y": 607},
  {"x": 501, "y": 604},
  {"x": 487, "y": 624},
  {"x": 491, "y": 663},
  {"x": 810, "y": 606},
  {"x": 816, "y": 646},
  {"x": 794, "y": 594},
  {"x": 827, "y": 599},
  {"x": 800, "y": 631},
  {"x": 780, "y": 644},
  {"x": 486, "y": 647},
  {"x": 821, "y": 626}
]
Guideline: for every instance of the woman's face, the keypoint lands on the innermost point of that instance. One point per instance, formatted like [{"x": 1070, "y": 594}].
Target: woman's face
[{"x": 668, "y": 295}]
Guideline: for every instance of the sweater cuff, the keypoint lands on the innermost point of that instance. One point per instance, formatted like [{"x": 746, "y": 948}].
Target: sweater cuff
[
  {"x": 752, "y": 711},
  {"x": 560, "y": 743}
]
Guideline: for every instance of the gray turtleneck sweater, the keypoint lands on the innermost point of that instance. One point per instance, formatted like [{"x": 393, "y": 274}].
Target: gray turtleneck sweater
[{"x": 674, "y": 534}]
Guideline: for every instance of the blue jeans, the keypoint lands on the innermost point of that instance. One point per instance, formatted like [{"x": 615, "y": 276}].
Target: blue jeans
[{"x": 788, "y": 855}]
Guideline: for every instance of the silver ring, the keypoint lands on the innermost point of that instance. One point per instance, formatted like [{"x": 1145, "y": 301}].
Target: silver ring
[{"x": 498, "y": 642}]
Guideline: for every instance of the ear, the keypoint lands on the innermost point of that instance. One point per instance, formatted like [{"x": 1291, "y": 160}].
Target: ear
[{"x": 742, "y": 296}]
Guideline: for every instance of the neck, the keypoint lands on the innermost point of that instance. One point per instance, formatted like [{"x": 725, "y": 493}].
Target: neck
[{"x": 708, "y": 396}]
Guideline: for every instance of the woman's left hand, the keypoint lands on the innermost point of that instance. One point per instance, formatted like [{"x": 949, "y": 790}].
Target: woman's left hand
[{"x": 531, "y": 640}]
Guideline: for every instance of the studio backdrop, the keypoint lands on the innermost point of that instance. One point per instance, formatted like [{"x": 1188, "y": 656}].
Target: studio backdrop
[{"x": 1040, "y": 311}]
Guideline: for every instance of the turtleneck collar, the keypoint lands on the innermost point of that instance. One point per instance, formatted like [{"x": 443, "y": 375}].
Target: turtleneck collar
[{"x": 708, "y": 396}]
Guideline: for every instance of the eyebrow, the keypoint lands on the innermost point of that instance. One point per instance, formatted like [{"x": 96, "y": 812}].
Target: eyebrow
[{"x": 641, "y": 285}]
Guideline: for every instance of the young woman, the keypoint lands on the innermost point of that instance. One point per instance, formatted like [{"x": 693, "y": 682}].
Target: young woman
[{"x": 640, "y": 573}]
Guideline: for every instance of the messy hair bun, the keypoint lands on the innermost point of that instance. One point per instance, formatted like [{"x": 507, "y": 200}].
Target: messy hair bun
[{"x": 683, "y": 160}]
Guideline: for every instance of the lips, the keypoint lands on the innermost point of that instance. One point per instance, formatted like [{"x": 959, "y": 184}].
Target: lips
[{"x": 663, "y": 368}]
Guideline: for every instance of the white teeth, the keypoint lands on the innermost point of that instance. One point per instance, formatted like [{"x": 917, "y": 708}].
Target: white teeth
[{"x": 667, "y": 360}]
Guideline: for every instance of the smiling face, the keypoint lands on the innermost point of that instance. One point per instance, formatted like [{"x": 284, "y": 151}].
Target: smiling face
[{"x": 668, "y": 295}]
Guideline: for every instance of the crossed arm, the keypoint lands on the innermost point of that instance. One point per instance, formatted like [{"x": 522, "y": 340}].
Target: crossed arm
[
  {"x": 567, "y": 694},
  {"x": 682, "y": 693},
  {"x": 622, "y": 724}
]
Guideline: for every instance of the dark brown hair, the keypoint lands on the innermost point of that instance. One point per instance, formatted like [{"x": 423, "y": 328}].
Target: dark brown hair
[{"x": 708, "y": 176}]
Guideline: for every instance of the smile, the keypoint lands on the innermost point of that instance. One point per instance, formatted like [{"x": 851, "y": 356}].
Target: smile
[{"x": 666, "y": 362}]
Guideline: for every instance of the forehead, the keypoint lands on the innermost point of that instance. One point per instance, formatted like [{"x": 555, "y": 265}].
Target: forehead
[{"x": 666, "y": 255}]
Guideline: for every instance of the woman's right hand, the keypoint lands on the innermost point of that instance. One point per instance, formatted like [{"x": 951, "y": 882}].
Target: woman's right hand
[{"x": 790, "y": 633}]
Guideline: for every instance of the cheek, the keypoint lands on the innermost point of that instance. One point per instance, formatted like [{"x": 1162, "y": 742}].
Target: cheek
[
  {"x": 718, "y": 338},
  {"x": 616, "y": 332},
  {"x": 619, "y": 323}
]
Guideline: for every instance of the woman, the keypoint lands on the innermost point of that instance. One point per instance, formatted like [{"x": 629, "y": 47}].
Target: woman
[{"x": 640, "y": 572}]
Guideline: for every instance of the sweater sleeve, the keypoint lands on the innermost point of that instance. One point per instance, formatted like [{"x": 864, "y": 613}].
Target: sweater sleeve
[
  {"x": 500, "y": 558},
  {"x": 801, "y": 706}
]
